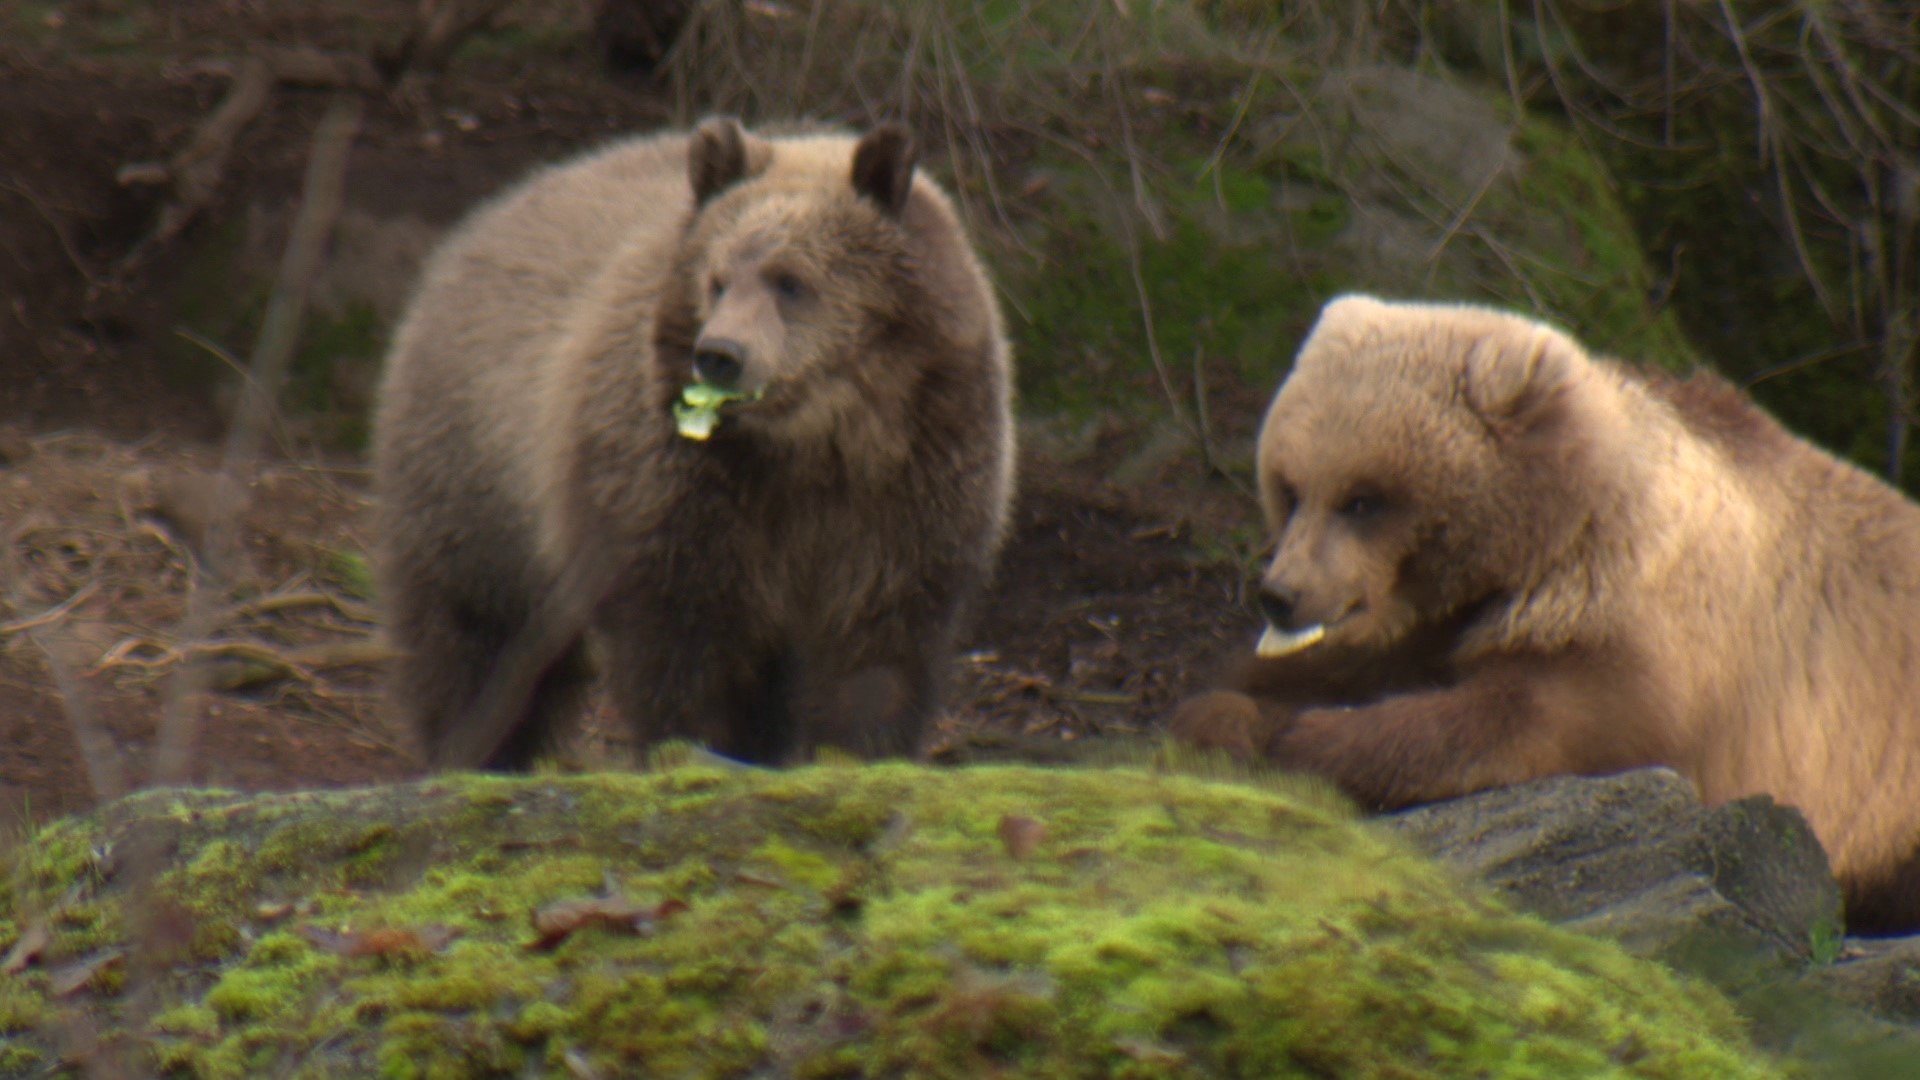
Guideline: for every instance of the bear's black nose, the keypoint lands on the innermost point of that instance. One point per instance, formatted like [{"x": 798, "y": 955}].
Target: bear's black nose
[
  {"x": 1277, "y": 604},
  {"x": 718, "y": 361}
]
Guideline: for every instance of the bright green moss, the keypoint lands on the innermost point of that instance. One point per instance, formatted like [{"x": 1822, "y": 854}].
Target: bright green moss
[
  {"x": 1165, "y": 925},
  {"x": 199, "y": 1021},
  {"x": 796, "y": 866},
  {"x": 17, "y": 1059},
  {"x": 22, "y": 1005}
]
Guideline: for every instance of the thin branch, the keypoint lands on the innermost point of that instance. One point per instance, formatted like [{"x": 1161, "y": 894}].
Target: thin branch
[
  {"x": 320, "y": 201},
  {"x": 53, "y": 614},
  {"x": 319, "y": 206},
  {"x": 59, "y": 230}
]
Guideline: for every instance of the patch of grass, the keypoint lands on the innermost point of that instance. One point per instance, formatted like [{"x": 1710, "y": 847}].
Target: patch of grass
[{"x": 346, "y": 571}]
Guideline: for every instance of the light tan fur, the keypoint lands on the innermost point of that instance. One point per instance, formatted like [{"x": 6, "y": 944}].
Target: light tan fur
[{"x": 1637, "y": 570}]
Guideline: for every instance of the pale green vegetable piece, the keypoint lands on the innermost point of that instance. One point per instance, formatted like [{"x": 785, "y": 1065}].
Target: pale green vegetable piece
[
  {"x": 708, "y": 396},
  {"x": 694, "y": 423},
  {"x": 697, "y": 411}
]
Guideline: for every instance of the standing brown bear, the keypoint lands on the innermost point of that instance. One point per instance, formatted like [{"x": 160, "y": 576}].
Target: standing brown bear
[
  {"x": 724, "y": 415},
  {"x": 1500, "y": 559}
]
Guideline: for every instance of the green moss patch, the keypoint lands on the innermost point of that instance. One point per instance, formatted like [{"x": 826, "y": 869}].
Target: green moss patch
[{"x": 826, "y": 921}]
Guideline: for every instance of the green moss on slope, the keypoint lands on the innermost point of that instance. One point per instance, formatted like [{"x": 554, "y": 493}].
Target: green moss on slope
[{"x": 827, "y": 921}]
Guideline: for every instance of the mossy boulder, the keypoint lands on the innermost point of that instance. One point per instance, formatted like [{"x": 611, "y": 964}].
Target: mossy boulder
[
  {"x": 1374, "y": 178},
  {"x": 700, "y": 919}
]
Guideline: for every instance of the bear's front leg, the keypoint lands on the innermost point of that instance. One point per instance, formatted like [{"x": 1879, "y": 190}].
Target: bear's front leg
[
  {"x": 876, "y": 696},
  {"x": 879, "y": 710},
  {"x": 1231, "y": 721},
  {"x": 1513, "y": 719},
  {"x": 677, "y": 669},
  {"x": 1260, "y": 699}
]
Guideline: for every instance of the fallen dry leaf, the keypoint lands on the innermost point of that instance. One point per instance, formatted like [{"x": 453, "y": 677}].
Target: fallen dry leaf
[
  {"x": 748, "y": 877},
  {"x": 72, "y": 978},
  {"x": 32, "y": 942},
  {"x": 392, "y": 942},
  {"x": 1151, "y": 1053},
  {"x": 558, "y": 921},
  {"x": 1021, "y": 834},
  {"x": 578, "y": 1066}
]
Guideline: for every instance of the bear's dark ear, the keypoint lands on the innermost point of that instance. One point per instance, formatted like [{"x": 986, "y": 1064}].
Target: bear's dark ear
[
  {"x": 718, "y": 157},
  {"x": 1515, "y": 375},
  {"x": 883, "y": 167}
]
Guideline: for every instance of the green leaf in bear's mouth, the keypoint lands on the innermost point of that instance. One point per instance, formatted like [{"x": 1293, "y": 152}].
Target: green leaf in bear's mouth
[{"x": 698, "y": 409}]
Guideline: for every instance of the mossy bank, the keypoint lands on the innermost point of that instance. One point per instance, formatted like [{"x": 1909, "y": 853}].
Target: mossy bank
[{"x": 828, "y": 921}]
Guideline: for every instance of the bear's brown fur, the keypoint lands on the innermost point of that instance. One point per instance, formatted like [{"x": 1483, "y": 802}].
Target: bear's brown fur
[
  {"x": 1527, "y": 562},
  {"x": 793, "y": 581}
]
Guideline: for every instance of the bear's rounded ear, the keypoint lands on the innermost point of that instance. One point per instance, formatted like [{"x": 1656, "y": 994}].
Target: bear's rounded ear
[
  {"x": 1515, "y": 375},
  {"x": 1348, "y": 312},
  {"x": 720, "y": 155},
  {"x": 883, "y": 167}
]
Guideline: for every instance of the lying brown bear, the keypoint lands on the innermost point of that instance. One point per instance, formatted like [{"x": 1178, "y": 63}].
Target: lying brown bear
[{"x": 1499, "y": 558}]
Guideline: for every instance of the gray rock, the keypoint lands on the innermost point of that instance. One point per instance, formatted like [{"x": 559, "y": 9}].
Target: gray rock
[
  {"x": 1881, "y": 976},
  {"x": 1738, "y": 891},
  {"x": 1412, "y": 151}
]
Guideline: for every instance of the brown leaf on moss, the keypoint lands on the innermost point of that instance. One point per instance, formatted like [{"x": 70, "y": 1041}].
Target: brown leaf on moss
[
  {"x": 388, "y": 942},
  {"x": 70, "y": 979},
  {"x": 1149, "y": 1052},
  {"x": 32, "y": 942},
  {"x": 558, "y": 921},
  {"x": 272, "y": 912},
  {"x": 1021, "y": 834},
  {"x": 748, "y": 877},
  {"x": 578, "y": 1066}
]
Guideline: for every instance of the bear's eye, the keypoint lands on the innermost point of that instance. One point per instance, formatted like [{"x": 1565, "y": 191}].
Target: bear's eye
[
  {"x": 715, "y": 288},
  {"x": 1362, "y": 505},
  {"x": 788, "y": 286},
  {"x": 1285, "y": 499}
]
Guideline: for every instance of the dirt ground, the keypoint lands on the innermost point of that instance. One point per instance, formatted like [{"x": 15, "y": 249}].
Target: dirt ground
[{"x": 127, "y": 659}]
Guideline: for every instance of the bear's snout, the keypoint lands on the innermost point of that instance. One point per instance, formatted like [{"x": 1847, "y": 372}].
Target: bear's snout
[
  {"x": 1291, "y": 604},
  {"x": 1277, "y": 604},
  {"x": 719, "y": 361}
]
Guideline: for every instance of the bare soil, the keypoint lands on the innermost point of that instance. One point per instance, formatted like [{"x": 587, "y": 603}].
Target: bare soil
[{"x": 125, "y": 660}]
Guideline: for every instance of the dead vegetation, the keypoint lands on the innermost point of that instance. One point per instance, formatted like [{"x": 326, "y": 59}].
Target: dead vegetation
[
  {"x": 1777, "y": 142},
  {"x": 108, "y": 591}
]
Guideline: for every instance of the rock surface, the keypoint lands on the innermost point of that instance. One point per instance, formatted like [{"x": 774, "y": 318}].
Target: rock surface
[
  {"x": 1737, "y": 891},
  {"x": 1740, "y": 893},
  {"x": 1881, "y": 976}
]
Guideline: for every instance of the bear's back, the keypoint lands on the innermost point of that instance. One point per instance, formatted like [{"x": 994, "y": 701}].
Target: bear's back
[
  {"x": 521, "y": 261},
  {"x": 1815, "y": 649},
  {"x": 496, "y": 300}
]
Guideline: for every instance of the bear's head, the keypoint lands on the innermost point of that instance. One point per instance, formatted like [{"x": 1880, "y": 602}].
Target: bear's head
[
  {"x": 1420, "y": 463},
  {"x": 816, "y": 273}
]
